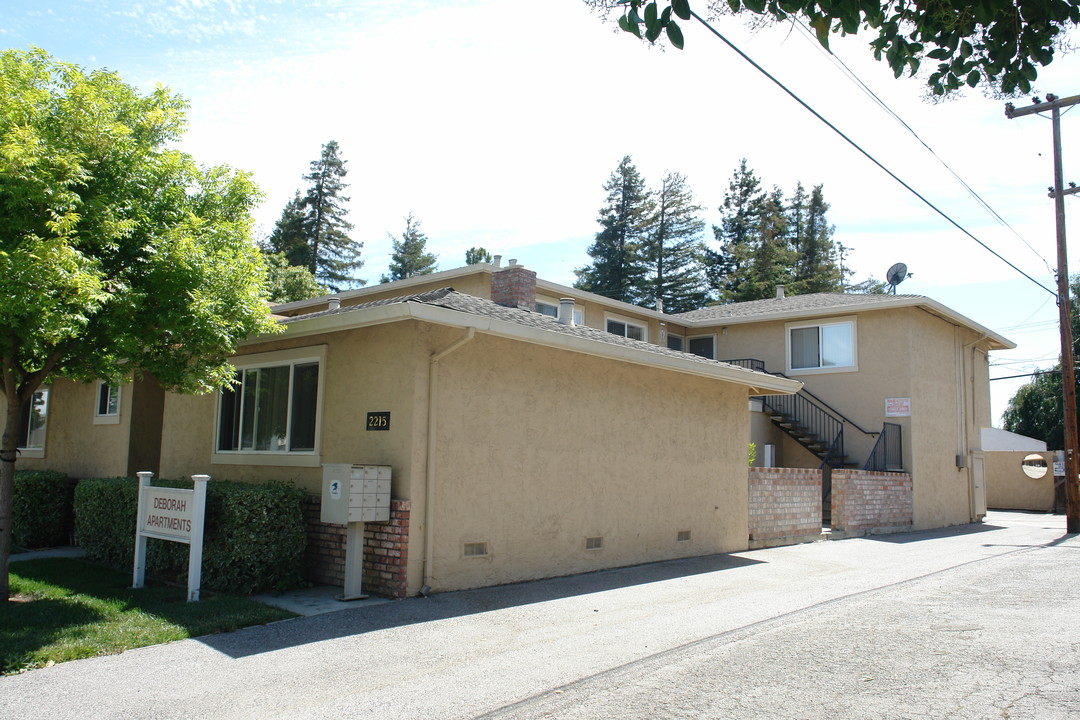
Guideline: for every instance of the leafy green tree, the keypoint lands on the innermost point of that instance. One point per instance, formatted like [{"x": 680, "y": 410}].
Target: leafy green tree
[
  {"x": 410, "y": 256},
  {"x": 672, "y": 248},
  {"x": 727, "y": 270},
  {"x": 477, "y": 255},
  {"x": 334, "y": 257},
  {"x": 816, "y": 266},
  {"x": 118, "y": 253},
  {"x": 290, "y": 236},
  {"x": 617, "y": 270},
  {"x": 1038, "y": 408},
  {"x": 289, "y": 283},
  {"x": 1038, "y": 411},
  {"x": 994, "y": 43}
]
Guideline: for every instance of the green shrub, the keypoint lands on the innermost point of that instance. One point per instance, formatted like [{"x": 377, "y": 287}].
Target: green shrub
[
  {"x": 41, "y": 510},
  {"x": 105, "y": 510},
  {"x": 254, "y": 538}
]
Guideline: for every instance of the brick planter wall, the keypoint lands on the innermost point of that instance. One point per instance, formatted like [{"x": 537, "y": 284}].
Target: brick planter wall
[
  {"x": 785, "y": 506},
  {"x": 386, "y": 550},
  {"x": 866, "y": 503}
]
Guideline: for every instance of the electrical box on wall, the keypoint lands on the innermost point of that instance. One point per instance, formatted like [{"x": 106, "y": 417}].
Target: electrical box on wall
[{"x": 355, "y": 493}]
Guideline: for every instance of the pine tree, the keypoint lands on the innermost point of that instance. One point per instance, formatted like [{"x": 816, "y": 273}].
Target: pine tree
[
  {"x": 672, "y": 248},
  {"x": 410, "y": 257},
  {"x": 817, "y": 268},
  {"x": 290, "y": 234},
  {"x": 727, "y": 270},
  {"x": 773, "y": 258},
  {"x": 617, "y": 270},
  {"x": 477, "y": 255},
  {"x": 334, "y": 256}
]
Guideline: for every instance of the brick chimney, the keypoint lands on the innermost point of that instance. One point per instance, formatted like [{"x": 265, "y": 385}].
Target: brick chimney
[{"x": 515, "y": 287}]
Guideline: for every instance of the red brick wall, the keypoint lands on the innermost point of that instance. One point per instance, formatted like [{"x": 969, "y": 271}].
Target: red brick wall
[
  {"x": 514, "y": 287},
  {"x": 386, "y": 550},
  {"x": 864, "y": 502},
  {"x": 785, "y": 505},
  {"x": 386, "y": 553}
]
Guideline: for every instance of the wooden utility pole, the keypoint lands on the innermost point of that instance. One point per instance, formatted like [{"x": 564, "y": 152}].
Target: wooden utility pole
[{"x": 1054, "y": 104}]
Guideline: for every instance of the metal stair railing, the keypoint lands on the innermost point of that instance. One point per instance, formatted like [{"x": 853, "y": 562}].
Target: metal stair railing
[
  {"x": 821, "y": 419},
  {"x": 888, "y": 452},
  {"x": 812, "y": 421}
]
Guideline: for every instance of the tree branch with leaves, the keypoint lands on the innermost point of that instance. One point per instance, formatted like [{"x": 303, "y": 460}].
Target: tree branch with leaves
[{"x": 997, "y": 44}]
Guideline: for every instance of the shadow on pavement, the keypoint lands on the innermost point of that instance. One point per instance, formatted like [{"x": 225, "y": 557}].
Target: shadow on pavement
[
  {"x": 922, "y": 535},
  {"x": 442, "y": 606}
]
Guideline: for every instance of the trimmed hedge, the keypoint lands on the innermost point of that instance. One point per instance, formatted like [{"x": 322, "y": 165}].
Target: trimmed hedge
[
  {"x": 254, "y": 539},
  {"x": 41, "y": 510}
]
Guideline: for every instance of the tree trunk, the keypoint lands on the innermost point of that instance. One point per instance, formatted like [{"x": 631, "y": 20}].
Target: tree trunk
[{"x": 8, "y": 447}]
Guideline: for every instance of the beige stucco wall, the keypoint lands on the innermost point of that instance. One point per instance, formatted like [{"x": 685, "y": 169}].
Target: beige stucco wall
[
  {"x": 73, "y": 443},
  {"x": 1008, "y": 488},
  {"x": 903, "y": 352},
  {"x": 366, "y": 370},
  {"x": 539, "y": 449}
]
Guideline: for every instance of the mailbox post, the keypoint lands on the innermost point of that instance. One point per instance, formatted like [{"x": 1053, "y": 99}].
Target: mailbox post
[{"x": 351, "y": 496}]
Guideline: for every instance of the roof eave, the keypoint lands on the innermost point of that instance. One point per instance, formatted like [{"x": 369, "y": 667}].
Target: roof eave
[
  {"x": 757, "y": 383},
  {"x": 994, "y": 340}
]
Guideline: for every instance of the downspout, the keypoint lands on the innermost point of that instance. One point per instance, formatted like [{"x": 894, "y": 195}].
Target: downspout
[
  {"x": 967, "y": 401},
  {"x": 429, "y": 475}
]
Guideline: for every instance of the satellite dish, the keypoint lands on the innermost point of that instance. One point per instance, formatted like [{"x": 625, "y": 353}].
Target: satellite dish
[{"x": 896, "y": 275}]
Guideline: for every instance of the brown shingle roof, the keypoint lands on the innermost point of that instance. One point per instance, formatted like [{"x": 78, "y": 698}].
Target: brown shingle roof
[
  {"x": 794, "y": 304},
  {"x": 453, "y": 300}
]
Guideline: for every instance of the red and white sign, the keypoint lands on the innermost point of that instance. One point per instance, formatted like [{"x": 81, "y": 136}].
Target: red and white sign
[{"x": 898, "y": 407}]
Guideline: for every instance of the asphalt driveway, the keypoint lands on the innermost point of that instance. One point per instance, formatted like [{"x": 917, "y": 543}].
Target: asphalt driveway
[{"x": 976, "y": 621}]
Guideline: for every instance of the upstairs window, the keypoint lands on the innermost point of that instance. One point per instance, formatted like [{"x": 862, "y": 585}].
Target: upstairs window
[
  {"x": 626, "y": 329},
  {"x": 552, "y": 310},
  {"x": 272, "y": 406},
  {"x": 821, "y": 346},
  {"x": 676, "y": 342},
  {"x": 703, "y": 346},
  {"x": 108, "y": 404}
]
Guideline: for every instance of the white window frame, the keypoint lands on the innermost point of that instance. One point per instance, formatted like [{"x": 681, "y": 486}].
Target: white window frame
[
  {"x": 284, "y": 458},
  {"x": 610, "y": 317},
  {"x": 850, "y": 321},
  {"x": 579, "y": 313},
  {"x": 711, "y": 336},
  {"x": 677, "y": 336},
  {"x": 38, "y": 452},
  {"x": 107, "y": 418}
]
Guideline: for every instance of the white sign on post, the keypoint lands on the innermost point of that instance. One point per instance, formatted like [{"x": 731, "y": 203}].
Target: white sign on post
[{"x": 172, "y": 514}]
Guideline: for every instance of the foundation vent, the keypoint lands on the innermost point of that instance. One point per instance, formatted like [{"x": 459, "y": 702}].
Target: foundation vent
[
  {"x": 682, "y": 536},
  {"x": 594, "y": 543},
  {"x": 476, "y": 549}
]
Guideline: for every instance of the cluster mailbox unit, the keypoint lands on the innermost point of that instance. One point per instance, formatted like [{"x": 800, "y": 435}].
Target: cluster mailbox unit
[{"x": 353, "y": 495}]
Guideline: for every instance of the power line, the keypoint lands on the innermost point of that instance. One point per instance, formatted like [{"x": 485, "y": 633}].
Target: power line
[
  {"x": 868, "y": 156},
  {"x": 850, "y": 74},
  {"x": 1030, "y": 374}
]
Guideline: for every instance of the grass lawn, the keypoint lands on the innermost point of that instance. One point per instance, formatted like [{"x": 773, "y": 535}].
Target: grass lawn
[{"x": 64, "y": 609}]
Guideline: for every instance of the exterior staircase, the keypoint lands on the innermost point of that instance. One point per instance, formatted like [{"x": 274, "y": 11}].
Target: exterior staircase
[
  {"x": 808, "y": 423},
  {"x": 819, "y": 428}
]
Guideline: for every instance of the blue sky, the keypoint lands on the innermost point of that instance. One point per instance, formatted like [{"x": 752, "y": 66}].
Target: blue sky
[{"x": 497, "y": 123}]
